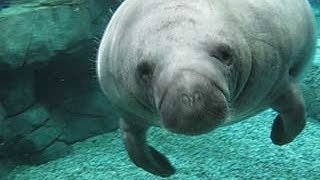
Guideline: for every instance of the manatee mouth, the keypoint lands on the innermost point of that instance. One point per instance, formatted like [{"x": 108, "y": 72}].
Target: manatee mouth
[
  {"x": 164, "y": 94},
  {"x": 192, "y": 107}
]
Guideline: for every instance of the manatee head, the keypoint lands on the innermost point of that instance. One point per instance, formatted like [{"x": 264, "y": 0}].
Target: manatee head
[
  {"x": 188, "y": 68},
  {"x": 189, "y": 91},
  {"x": 191, "y": 96}
]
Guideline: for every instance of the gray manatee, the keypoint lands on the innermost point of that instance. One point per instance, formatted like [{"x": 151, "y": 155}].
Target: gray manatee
[{"x": 192, "y": 66}]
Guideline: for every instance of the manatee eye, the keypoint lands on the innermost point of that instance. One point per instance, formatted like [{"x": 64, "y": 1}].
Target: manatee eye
[
  {"x": 144, "y": 73},
  {"x": 223, "y": 53}
]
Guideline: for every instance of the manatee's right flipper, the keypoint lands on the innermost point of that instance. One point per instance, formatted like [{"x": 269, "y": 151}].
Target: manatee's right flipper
[
  {"x": 291, "y": 119},
  {"x": 143, "y": 155}
]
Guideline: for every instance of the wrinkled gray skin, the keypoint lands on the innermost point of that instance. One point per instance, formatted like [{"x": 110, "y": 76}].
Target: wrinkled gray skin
[{"x": 191, "y": 66}]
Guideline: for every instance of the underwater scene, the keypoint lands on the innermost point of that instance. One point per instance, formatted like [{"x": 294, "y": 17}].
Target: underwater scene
[{"x": 159, "y": 89}]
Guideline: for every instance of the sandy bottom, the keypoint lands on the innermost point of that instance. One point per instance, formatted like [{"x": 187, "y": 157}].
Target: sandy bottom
[{"x": 239, "y": 151}]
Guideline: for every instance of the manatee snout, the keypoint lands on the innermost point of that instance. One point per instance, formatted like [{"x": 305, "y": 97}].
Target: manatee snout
[{"x": 192, "y": 104}]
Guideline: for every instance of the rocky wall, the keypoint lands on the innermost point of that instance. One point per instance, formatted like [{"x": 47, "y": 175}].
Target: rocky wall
[{"x": 49, "y": 97}]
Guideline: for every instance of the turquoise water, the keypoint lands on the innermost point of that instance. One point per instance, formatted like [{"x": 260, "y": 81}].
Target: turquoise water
[{"x": 240, "y": 151}]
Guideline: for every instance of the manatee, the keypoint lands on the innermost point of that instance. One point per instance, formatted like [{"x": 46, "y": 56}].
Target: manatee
[{"x": 191, "y": 66}]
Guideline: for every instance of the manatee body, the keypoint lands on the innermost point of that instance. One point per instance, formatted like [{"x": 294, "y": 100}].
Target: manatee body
[{"x": 191, "y": 66}]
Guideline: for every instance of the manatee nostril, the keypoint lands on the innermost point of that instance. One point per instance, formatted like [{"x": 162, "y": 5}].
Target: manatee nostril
[
  {"x": 185, "y": 99},
  {"x": 198, "y": 96},
  {"x": 190, "y": 100}
]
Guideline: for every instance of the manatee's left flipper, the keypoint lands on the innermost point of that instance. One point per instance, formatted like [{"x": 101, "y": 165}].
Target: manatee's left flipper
[
  {"x": 291, "y": 119},
  {"x": 143, "y": 155}
]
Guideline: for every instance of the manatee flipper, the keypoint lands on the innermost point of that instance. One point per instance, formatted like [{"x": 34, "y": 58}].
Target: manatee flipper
[
  {"x": 291, "y": 119},
  {"x": 143, "y": 155}
]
